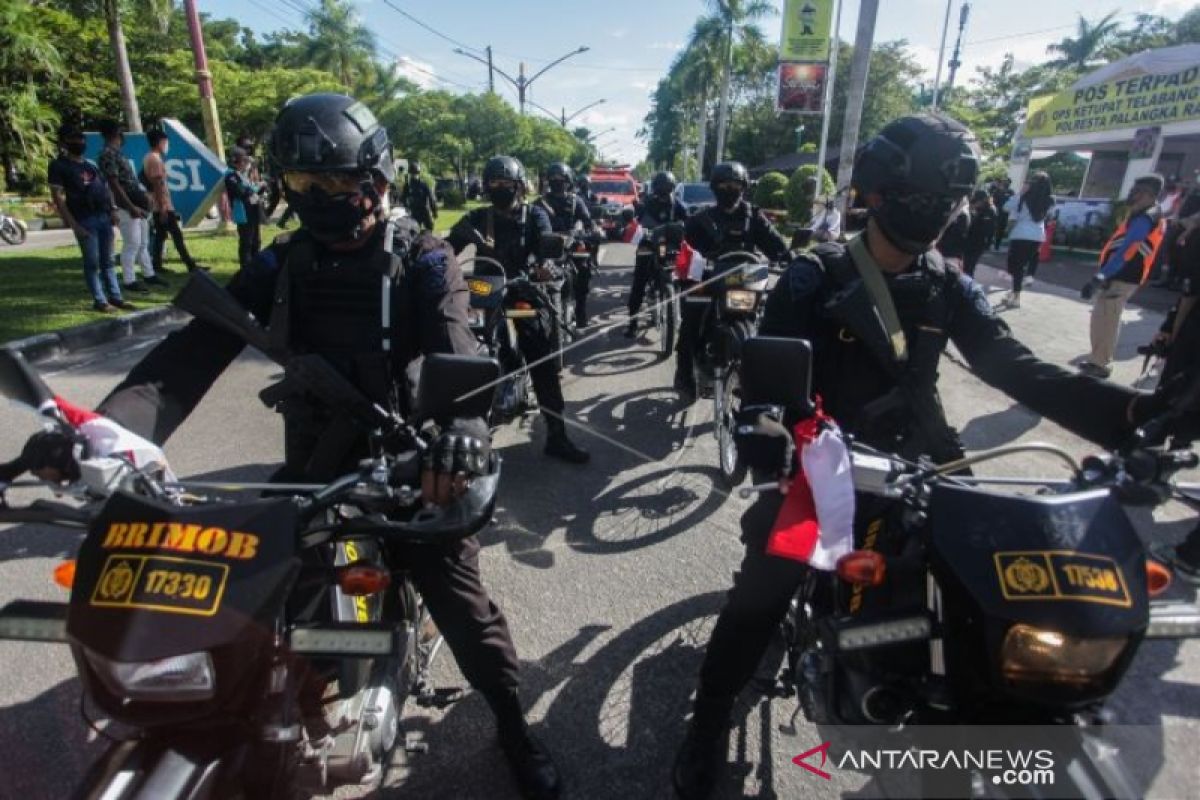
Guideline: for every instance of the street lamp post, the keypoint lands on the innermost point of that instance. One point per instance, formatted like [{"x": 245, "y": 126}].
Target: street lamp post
[
  {"x": 521, "y": 82},
  {"x": 562, "y": 117}
]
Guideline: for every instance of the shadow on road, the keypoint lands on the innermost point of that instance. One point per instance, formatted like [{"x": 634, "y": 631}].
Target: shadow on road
[{"x": 999, "y": 427}]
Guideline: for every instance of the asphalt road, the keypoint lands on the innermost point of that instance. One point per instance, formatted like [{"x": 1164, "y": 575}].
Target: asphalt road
[{"x": 610, "y": 575}]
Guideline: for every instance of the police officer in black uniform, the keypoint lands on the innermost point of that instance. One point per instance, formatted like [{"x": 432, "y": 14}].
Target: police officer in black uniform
[
  {"x": 565, "y": 209},
  {"x": 915, "y": 176},
  {"x": 320, "y": 291},
  {"x": 732, "y": 224},
  {"x": 510, "y": 231},
  {"x": 418, "y": 197},
  {"x": 660, "y": 208}
]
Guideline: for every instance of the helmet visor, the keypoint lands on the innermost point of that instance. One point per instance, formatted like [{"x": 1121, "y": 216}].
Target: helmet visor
[
  {"x": 331, "y": 183},
  {"x": 500, "y": 184}
]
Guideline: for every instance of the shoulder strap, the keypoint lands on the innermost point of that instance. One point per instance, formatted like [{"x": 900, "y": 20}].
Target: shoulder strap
[{"x": 881, "y": 298}]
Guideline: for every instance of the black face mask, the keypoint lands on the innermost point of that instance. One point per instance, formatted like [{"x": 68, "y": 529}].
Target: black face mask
[
  {"x": 727, "y": 198},
  {"x": 913, "y": 222},
  {"x": 502, "y": 199},
  {"x": 331, "y": 218},
  {"x": 75, "y": 148}
]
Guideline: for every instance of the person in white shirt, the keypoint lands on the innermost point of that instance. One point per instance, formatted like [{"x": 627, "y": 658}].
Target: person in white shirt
[
  {"x": 826, "y": 224},
  {"x": 1028, "y": 210}
]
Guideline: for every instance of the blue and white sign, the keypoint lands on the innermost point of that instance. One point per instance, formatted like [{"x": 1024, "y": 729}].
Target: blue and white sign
[{"x": 194, "y": 173}]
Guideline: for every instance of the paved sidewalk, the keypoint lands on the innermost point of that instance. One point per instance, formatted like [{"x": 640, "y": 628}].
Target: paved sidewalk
[{"x": 46, "y": 239}]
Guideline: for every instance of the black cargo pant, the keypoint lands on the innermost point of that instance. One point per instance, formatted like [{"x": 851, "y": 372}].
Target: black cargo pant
[
  {"x": 164, "y": 225},
  {"x": 691, "y": 321},
  {"x": 423, "y": 218},
  {"x": 536, "y": 341},
  {"x": 581, "y": 284},
  {"x": 643, "y": 272}
]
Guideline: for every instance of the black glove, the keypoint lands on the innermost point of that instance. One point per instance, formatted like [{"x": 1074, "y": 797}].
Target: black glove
[
  {"x": 1089, "y": 288},
  {"x": 1173, "y": 410},
  {"x": 49, "y": 455},
  {"x": 450, "y": 464},
  {"x": 759, "y": 447}
]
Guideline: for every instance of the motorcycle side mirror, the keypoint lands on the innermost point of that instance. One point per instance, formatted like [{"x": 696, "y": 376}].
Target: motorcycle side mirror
[
  {"x": 777, "y": 371},
  {"x": 456, "y": 386},
  {"x": 20, "y": 382},
  {"x": 551, "y": 247}
]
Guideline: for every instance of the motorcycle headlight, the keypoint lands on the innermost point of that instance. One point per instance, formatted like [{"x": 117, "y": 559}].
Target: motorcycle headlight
[
  {"x": 186, "y": 678},
  {"x": 1034, "y": 655},
  {"x": 476, "y": 317},
  {"x": 740, "y": 300}
]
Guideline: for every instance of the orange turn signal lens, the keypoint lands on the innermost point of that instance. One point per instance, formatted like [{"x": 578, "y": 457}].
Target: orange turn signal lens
[
  {"x": 64, "y": 574},
  {"x": 862, "y": 567},
  {"x": 523, "y": 305},
  {"x": 361, "y": 578},
  {"x": 1158, "y": 577}
]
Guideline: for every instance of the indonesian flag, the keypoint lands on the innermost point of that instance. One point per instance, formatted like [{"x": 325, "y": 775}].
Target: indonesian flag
[
  {"x": 815, "y": 525},
  {"x": 689, "y": 265},
  {"x": 107, "y": 438}
]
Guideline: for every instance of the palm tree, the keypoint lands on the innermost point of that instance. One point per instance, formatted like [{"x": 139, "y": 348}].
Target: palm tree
[
  {"x": 739, "y": 20},
  {"x": 694, "y": 69},
  {"x": 28, "y": 58},
  {"x": 1084, "y": 48},
  {"x": 338, "y": 42},
  {"x": 160, "y": 12}
]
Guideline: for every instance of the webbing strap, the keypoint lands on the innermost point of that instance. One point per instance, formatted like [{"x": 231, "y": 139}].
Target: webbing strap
[{"x": 881, "y": 298}]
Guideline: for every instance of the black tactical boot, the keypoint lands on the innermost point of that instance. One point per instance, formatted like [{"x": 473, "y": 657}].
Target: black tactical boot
[
  {"x": 631, "y": 330},
  {"x": 581, "y": 315},
  {"x": 685, "y": 383},
  {"x": 561, "y": 447},
  {"x": 701, "y": 758},
  {"x": 534, "y": 770}
]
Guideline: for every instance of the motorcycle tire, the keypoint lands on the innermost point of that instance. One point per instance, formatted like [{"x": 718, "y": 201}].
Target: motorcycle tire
[
  {"x": 11, "y": 232},
  {"x": 733, "y": 468},
  {"x": 668, "y": 320}
]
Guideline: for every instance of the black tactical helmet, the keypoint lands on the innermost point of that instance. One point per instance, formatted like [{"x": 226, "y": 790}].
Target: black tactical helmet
[
  {"x": 559, "y": 170},
  {"x": 729, "y": 171},
  {"x": 330, "y": 133},
  {"x": 922, "y": 167},
  {"x": 663, "y": 183},
  {"x": 503, "y": 168}
]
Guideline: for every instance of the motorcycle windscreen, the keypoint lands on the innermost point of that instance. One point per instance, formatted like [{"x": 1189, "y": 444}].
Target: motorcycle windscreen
[
  {"x": 1071, "y": 563},
  {"x": 154, "y": 580}
]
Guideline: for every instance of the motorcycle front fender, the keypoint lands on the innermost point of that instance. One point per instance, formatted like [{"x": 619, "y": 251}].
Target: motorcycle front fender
[{"x": 154, "y": 769}]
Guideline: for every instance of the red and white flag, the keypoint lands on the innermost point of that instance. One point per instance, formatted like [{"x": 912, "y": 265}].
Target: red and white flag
[
  {"x": 815, "y": 524},
  {"x": 107, "y": 438},
  {"x": 689, "y": 265}
]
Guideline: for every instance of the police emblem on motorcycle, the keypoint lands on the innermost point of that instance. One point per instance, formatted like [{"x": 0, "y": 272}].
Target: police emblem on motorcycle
[
  {"x": 1024, "y": 576},
  {"x": 116, "y": 583}
]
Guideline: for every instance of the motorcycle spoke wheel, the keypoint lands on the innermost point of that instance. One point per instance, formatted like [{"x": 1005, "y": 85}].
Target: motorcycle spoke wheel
[
  {"x": 668, "y": 320},
  {"x": 733, "y": 470}
]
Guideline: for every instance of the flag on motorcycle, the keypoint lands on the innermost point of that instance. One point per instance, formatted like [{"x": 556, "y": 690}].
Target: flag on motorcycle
[
  {"x": 689, "y": 265},
  {"x": 815, "y": 524},
  {"x": 107, "y": 438}
]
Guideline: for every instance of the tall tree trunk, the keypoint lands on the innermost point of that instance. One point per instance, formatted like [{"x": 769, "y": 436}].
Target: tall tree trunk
[
  {"x": 116, "y": 35},
  {"x": 702, "y": 145}
]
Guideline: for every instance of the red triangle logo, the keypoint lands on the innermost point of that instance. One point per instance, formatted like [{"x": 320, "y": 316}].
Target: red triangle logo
[{"x": 823, "y": 749}]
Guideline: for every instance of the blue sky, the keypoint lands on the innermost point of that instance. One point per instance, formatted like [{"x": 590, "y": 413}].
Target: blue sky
[{"x": 633, "y": 42}]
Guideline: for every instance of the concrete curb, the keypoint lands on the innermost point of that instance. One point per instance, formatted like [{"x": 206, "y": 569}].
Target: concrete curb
[{"x": 69, "y": 340}]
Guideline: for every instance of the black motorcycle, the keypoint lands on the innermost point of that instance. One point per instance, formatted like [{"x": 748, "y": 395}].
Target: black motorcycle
[
  {"x": 732, "y": 300},
  {"x": 968, "y": 606},
  {"x": 248, "y": 642},
  {"x": 497, "y": 306},
  {"x": 660, "y": 248}
]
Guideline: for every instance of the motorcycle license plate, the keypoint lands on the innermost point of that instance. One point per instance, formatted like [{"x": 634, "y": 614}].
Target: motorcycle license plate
[{"x": 161, "y": 583}]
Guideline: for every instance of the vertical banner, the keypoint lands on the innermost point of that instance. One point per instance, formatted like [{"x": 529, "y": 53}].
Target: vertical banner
[
  {"x": 801, "y": 88},
  {"x": 806, "y": 26}
]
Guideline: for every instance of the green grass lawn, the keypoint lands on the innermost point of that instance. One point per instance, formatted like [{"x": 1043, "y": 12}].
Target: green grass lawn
[{"x": 43, "y": 290}]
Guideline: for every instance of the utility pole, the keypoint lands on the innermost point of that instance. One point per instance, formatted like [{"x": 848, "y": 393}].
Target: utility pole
[
  {"x": 208, "y": 104},
  {"x": 521, "y": 85},
  {"x": 963, "y": 14},
  {"x": 116, "y": 37},
  {"x": 827, "y": 102},
  {"x": 937, "y": 75},
  {"x": 723, "y": 114},
  {"x": 491, "y": 72},
  {"x": 860, "y": 68}
]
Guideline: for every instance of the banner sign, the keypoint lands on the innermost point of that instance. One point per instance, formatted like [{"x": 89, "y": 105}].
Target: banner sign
[
  {"x": 1131, "y": 102},
  {"x": 801, "y": 88},
  {"x": 806, "y": 26},
  {"x": 195, "y": 176}
]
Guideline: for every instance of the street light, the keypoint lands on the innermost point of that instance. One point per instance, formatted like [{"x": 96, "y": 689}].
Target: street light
[
  {"x": 520, "y": 82},
  {"x": 562, "y": 117}
]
